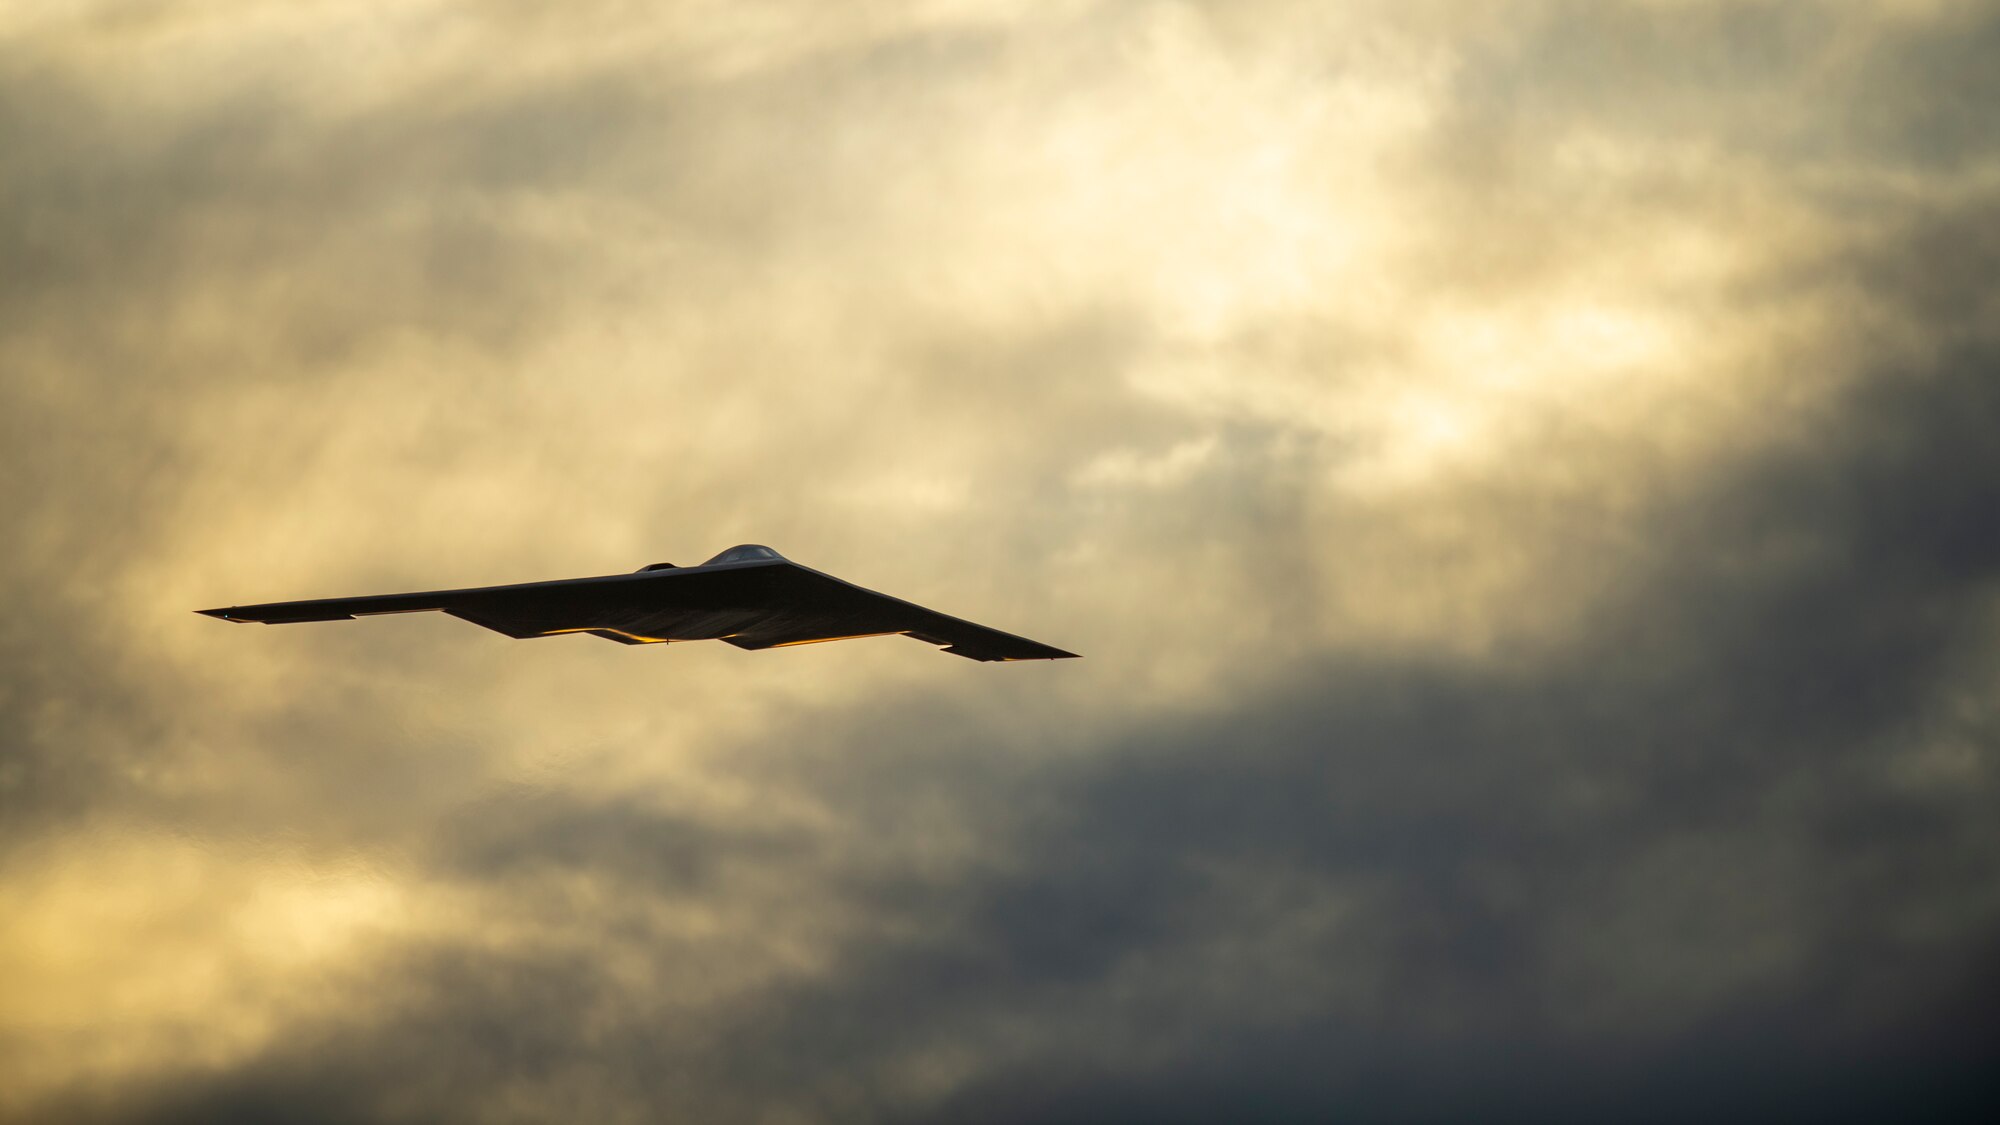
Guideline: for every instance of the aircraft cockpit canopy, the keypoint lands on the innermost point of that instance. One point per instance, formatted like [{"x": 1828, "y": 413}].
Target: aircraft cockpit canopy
[{"x": 748, "y": 552}]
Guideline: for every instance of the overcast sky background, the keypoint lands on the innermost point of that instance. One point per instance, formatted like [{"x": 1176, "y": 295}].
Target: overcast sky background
[{"x": 1522, "y": 478}]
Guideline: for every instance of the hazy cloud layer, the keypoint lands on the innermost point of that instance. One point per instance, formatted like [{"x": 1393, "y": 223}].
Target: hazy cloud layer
[{"x": 1521, "y": 478}]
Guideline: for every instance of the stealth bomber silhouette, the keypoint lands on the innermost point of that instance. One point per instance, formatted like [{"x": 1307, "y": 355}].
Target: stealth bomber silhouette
[{"x": 748, "y": 596}]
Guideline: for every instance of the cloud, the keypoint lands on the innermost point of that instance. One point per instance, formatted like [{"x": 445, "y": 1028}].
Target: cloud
[
  {"x": 1519, "y": 479},
  {"x": 1686, "y": 862}
]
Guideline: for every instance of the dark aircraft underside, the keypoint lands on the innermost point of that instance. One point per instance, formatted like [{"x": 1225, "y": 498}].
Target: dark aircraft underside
[{"x": 748, "y": 596}]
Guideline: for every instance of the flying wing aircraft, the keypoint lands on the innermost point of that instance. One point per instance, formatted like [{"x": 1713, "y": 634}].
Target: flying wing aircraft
[{"x": 748, "y": 596}]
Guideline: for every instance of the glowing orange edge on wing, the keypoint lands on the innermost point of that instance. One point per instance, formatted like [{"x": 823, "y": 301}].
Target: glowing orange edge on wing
[
  {"x": 639, "y": 637},
  {"x": 848, "y": 637}
]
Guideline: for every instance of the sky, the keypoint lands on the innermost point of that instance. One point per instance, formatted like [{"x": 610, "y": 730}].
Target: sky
[{"x": 1520, "y": 477}]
